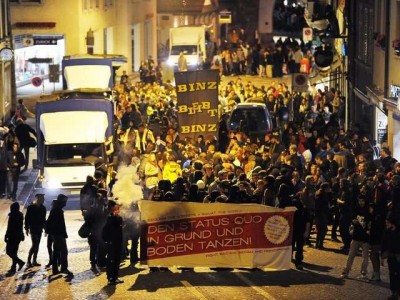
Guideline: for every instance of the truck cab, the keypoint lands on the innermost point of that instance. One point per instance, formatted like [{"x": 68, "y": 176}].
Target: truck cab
[
  {"x": 189, "y": 40},
  {"x": 75, "y": 129}
]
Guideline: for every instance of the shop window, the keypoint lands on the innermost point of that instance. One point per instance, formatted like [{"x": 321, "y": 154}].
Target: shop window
[{"x": 365, "y": 26}]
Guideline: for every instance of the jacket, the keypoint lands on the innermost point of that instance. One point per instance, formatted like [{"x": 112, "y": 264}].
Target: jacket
[
  {"x": 361, "y": 221},
  {"x": 15, "y": 233},
  {"x": 112, "y": 230},
  {"x": 23, "y": 132},
  {"x": 172, "y": 171},
  {"x": 15, "y": 158},
  {"x": 35, "y": 218},
  {"x": 55, "y": 224}
]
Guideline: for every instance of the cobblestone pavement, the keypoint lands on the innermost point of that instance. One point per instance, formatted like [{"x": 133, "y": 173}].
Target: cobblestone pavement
[{"x": 319, "y": 279}]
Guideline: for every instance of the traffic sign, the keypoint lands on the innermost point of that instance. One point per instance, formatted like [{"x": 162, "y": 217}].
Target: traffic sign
[
  {"x": 37, "y": 81},
  {"x": 45, "y": 41},
  {"x": 54, "y": 73}
]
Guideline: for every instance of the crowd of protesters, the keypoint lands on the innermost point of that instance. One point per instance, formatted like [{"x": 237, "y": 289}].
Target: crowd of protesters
[
  {"x": 333, "y": 176},
  {"x": 310, "y": 161}
]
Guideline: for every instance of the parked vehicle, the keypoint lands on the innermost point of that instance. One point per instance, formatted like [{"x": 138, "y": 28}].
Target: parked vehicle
[
  {"x": 74, "y": 129},
  {"x": 252, "y": 117}
]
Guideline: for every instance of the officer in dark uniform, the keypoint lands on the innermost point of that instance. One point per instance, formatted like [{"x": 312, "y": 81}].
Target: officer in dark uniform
[{"x": 112, "y": 236}]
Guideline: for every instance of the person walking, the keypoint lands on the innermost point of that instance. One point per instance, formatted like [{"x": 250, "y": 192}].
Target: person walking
[
  {"x": 55, "y": 227},
  {"x": 27, "y": 139},
  {"x": 14, "y": 236},
  {"x": 112, "y": 236},
  {"x": 15, "y": 160},
  {"x": 359, "y": 231},
  {"x": 35, "y": 220}
]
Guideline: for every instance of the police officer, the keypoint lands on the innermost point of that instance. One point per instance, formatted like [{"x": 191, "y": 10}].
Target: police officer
[{"x": 112, "y": 236}]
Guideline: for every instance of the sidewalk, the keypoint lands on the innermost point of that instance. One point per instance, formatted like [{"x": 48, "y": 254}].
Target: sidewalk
[{"x": 26, "y": 185}]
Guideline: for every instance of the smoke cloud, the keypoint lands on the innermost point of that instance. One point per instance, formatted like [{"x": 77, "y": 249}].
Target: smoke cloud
[{"x": 127, "y": 192}]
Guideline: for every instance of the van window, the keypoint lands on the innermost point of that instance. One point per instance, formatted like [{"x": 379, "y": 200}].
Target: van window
[{"x": 255, "y": 119}]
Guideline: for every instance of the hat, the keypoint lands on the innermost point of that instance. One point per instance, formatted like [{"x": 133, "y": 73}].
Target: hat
[
  {"x": 62, "y": 197},
  {"x": 39, "y": 195}
]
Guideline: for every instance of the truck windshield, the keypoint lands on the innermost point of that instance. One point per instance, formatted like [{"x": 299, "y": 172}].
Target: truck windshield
[
  {"x": 186, "y": 49},
  {"x": 74, "y": 154}
]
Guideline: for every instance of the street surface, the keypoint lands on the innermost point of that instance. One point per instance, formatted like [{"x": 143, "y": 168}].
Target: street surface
[{"x": 319, "y": 279}]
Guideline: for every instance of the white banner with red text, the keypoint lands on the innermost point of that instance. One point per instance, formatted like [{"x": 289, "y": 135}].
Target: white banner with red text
[{"x": 215, "y": 235}]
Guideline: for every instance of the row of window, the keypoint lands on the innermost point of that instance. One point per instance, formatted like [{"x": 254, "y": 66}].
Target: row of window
[{"x": 93, "y": 4}]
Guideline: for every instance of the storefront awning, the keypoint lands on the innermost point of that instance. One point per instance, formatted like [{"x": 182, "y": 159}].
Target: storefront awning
[
  {"x": 375, "y": 95},
  {"x": 363, "y": 97},
  {"x": 392, "y": 102}
]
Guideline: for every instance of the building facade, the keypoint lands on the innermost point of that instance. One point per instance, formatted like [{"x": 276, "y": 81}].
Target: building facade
[
  {"x": 6, "y": 66},
  {"x": 51, "y": 29},
  {"x": 373, "y": 73}
]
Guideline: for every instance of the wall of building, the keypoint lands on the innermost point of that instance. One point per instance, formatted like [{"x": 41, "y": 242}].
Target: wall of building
[
  {"x": 7, "y": 94},
  {"x": 112, "y": 25},
  {"x": 379, "y": 68},
  {"x": 394, "y": 65},
  {"x": 66, "y": 15},
  {"x": 145, "y": 14}
]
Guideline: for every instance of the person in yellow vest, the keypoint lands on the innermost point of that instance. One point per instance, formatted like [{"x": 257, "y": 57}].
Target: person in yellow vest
[
  {"x": 172, "y": 170},
  {"x": 143, "y": 137}
]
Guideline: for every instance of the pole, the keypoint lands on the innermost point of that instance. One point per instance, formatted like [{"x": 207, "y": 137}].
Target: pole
[{"x": 291, "y": 102}]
